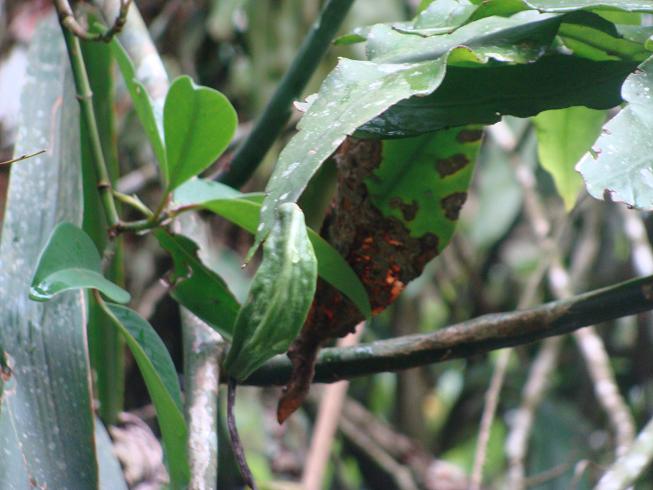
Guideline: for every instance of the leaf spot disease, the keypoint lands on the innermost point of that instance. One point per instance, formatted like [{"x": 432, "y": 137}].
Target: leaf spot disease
[
  {"x": 469, "y": 135},
  {"x": 409, "y": 211},
  {"x": 451, "y": 165},
  {"x": 452, "y": 204}
]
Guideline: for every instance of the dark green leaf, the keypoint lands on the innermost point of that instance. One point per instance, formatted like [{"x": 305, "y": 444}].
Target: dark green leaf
[
  {"x": 71, "y": 261},
  {"x": 160, "y": 377},
  {"x": 199, "y": 123},
  {"x": 197, "y": 287},
  {"x": 563, "y": 137},
  {"x": 244, "y": 210},
  {"x": 151, "y": 119},
  {"x": 484, "y": 95},
  {"x": 280, "y": 296},
  {"x": 423, "y": 181},
  {"x": 620, "y": 163},
  {"x": 46, "y": 419}
]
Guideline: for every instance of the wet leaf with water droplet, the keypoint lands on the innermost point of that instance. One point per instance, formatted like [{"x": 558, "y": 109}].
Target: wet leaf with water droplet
[
  {"x": 68, "y": 261},
  {"x": 623, "y": 155},
  {"x": 279, "y": 298},
  {"x": 158, "y": 371}
]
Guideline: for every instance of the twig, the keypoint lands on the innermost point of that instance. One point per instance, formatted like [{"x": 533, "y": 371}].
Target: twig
[
  {"x": 236, "y": 444},
  {"x": 627, "y": 469},
  {"x": 479, "y": 335},
  {"x": 489, "y": 411},
  {"x": 23, "y": 157},
  {"x": 328, "y": 415},
  {"x": 68, "y": 20},
  {"x": 277, "y": 112}
]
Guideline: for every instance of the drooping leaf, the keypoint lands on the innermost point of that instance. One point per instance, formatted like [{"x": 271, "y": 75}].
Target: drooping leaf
[
  {"x": 199, "y": 123},
  {"x": 620, "y": 164},
  {"x": 279, "y": 298},
  {"x": 404, "y": 66},
  {"x": 484, "y": 95},
  {"x": 71, "y": 261},
  {"x": 197, "y": 287},
  {"x": 46, "y": 419},
  {"x": 150, "y": 118},
  {"x": 571, "y": 5},
  {"x": 563, "y": 137},
  {"x": 158, "y": 371},
  {"x": 423, "y": 181},
  {"x": 244, "y": 211}
]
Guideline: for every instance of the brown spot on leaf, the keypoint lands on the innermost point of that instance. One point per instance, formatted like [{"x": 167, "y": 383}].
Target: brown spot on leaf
[
  {"x": 409, "y": 211},
  {"x": 451, "y": 165},
  {"x": 452, "y": 204},
  {"x": 469, "y": 135}
]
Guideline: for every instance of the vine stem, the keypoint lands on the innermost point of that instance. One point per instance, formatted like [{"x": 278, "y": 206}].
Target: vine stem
[
  {"x": 479, "y": 335},
  {"x": 85, "y": 97},
  {"x": 236, "y": 443},
  {"x": 277, "y": 113}
]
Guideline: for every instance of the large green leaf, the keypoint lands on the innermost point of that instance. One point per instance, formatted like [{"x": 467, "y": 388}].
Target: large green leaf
[
  {"x": 151, "y": 119},
  {"x": 405, "y": 66},
  {"x": 244, "y": 210},
  {"x": 197, "y": 287},
  {"x": 199, "y": 123},
  {"x": 46, "y": 419},
  {"x": 70, "y": 261},
  {"x": 423, "y": 181},
  {"x": 563, "y": 137},
  {"x": 571, "y": 5},
  {"x": 620, "y": 164},
  {"x": 156, "y": 366},
  {"x": 279, "y": 298},
  {"x": 441, "y": 16},
  {"x": 484, "y": 95}
]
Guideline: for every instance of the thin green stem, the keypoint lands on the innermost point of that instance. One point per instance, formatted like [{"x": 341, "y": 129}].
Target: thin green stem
[
  {"x": 277, "y": 112},
  {"x": 85, "y": 97},
  {"x": 133, "y": 202}
]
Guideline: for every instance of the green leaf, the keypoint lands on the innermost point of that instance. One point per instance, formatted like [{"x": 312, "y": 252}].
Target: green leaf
[
  {"x": 404, "y": 66},
  {"x": 158, "y": 371},
  {"x": 563, "y": 137},
  {"x": 46, "y": 418},
  {"x": 71, "y": 261},
  {"x": 571, "y": 5},
  {"x": 620, "y": 163},
  {"x": 199, "y": 123},
  {"x": 150, "y": 118},
  {"x": 244, "y": 210},
  {"x": 279, "y": 298},
  {"x": 440, "y": 17},
  {"x": 197, "y": 287},
  {"x": 484, "y": 95},
  {"x": 423, "y": 181}
]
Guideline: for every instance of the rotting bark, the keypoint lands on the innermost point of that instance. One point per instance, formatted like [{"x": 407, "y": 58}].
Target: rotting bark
[{"x": 380, "y": 250}]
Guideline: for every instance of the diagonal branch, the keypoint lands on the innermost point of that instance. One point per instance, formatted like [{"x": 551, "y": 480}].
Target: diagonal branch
[{"x": 473, "y": 337}]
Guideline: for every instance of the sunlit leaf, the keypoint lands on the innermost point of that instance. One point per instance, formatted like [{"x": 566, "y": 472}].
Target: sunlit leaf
[
  {"x": 620, "y": 164},
  {"x": 563, "y": 137},
  {"x": 279, "y": 298},
  {"x": 199, "y": 123},
  {"x": 571, "y": 5},
  {"x": 71, "y": 261},
  {"x": 158, "y": 371}
]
